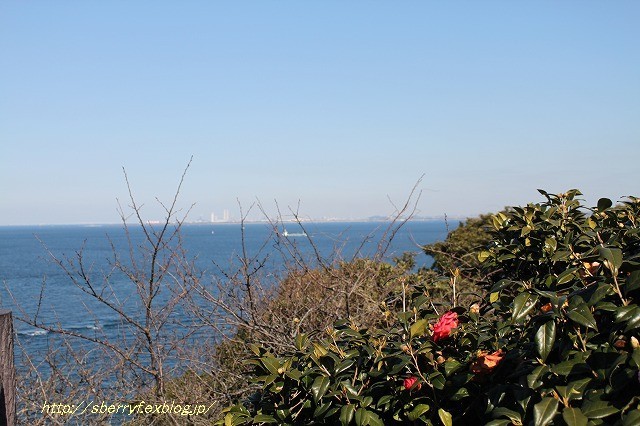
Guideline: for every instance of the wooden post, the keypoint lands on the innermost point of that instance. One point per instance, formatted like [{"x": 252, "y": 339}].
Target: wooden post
[{"x": 7, "y": 371}]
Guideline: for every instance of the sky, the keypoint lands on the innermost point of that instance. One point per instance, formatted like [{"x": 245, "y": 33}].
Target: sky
[{"x": 336, "y": 107}]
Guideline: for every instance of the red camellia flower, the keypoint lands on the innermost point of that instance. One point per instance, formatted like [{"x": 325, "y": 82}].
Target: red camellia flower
[
  {"x": 410, "y": 381},
  {"x": 445, "y": 324},
  {"x": 485, "y": 362}
]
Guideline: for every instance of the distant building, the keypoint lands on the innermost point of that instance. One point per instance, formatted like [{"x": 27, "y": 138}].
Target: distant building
[{"x": 225, "y": 217}]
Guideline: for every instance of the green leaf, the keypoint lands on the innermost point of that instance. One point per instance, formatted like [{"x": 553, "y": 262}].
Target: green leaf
[
  {"x": 545, "y": 338},
  {"x": 445, "y": 417},
  {"x": 575, "y": 389},
  {"x": 602, "y": 291},
  {"x": 373, "y": 419},
  {"x": 361, "y": 416},
  {"x": 460, "y": 394},
  {"x": 483, "y": 255},
  {"x": 566, "y": 276},
  {"x": 633, "y": 282},
  {"x": 365, "y": 417},
  {"x": 533, "y": 379},
  {"x": 582, "y": 315},
  {"x": 301, "y": 341},
  {"x": 574, "y": 417},
  {"x": 451, "y": 366},
  {"x": 418, "y": 328},
  {"x": 319, "y": 350},
  {"x": 514, "y": 416},
  {"x": 319, "y": 387},
  {"x": 632, "y": 418},
  {"x": 263, "y": 418},
  {"x": 493, "y": 297},
  {"x": 598, "y": 409},
  {"x": 629, "y": 315},
  {"x": 437, "y": 380},
  {"x": 346, "y": 414},
  {"x": 321, "y": 409},
  {"x": 271, "y": 364},
  {"x": 612, "y": 258},
  {"x": 344, "y": 365},
  {"x": 550, "y": 244},
  {"x": 522, "y": 305},
  {"x": 604, "y": 203},
  {"x": 544, "y": 411},
  {"x": 635, "y": 358},
  {"x": 419, "y": 410}
]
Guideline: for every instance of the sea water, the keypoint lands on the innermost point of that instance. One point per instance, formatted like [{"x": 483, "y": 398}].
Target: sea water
[{"x": 34, "y": 285}]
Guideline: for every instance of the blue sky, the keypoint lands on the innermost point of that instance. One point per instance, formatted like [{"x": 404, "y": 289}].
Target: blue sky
[{"x": 341, "y": 105}]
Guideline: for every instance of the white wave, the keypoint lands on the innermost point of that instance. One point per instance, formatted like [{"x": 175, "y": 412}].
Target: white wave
[{"x": 33, "y": 333}]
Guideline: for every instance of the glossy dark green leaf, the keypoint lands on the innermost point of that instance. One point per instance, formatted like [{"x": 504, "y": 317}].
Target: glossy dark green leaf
[
  {"x": 601, "y": 291},
  {"x": 604, "y": 203},
  {"x": 271, "y": 364},
  {"x": 612, "y": 258},
  {"x": 373, "y": 419},
  {"x": 572, "y": 364},
  {"x": 533, "y": 379},
  {"x": 445, "y": 417},
  {"x": 451, "y": 366},
  {"x": 633, "y": 322},
  {"x": 635, "y": 358},
  {"x": 365, "y": 417},
  {"x": 574, "y": 417},
  {"x": 632, "y": 418},
  {"x": 550, "y": 244},
  {"x": 344, "y": 365},
  {"x": 545, "y": 338},
  {"x": 301, "y": 341},
  {"x": 522, "y": 305},
  {"x": 418, "y": 328},
  {"x": 346, "y": 414},
  {"x": 263, "y": 418},
  {"x": 544, "y": 411},
  {"x": 460, "y": 394},
  {"x": 514, "y": 416},
  {"x": 582, "y": 315},
  {"x": 417, "y": 411},
  {"x": 576, "y": 388},
  {"x": 294, "y": 374},
  {"x": 566, "y": 276},
  {"x": 319, "y": 387},
  {"x": 598, "y": 409},
  {"x": 633, "y": 282},
  {"x": 560, "y": 255},
  {"x": 321, "y": 409},
  {"x": 437, "y": 380}
]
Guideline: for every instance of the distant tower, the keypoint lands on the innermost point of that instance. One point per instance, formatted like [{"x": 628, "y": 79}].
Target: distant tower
[
  {"x": 225, "y": 215},
  {"x": 213, "y": 217}
]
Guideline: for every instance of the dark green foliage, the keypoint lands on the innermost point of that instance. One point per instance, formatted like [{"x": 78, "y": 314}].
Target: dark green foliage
[
  {"x": 554, "y": 340},
  {"x": 459, "y": 250}
]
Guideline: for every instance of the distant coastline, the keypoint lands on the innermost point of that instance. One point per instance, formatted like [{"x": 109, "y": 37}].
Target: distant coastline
[{"x": 371, "y": 219}]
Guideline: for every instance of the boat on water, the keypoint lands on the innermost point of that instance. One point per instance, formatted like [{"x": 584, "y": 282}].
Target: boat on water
[{"x": 286, "y": 233}]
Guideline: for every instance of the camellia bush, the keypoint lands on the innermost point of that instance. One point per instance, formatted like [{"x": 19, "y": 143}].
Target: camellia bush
[{"x": 554, "y": 340}]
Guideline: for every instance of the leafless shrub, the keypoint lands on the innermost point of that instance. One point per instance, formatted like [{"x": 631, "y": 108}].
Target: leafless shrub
[{"x": 185, "y": 339}]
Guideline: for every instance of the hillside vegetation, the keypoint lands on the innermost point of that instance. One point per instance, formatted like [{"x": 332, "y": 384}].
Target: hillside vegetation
[{"x": 529, "y": 316}]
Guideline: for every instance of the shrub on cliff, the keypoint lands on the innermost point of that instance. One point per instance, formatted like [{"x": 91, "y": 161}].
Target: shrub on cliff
[{"x": 554, "y": 340}]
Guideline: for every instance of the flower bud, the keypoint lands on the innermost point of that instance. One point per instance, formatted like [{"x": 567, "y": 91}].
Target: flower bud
[{"x": 410, "y": 381}]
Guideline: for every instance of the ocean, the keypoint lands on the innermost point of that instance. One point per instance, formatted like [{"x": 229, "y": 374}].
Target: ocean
[{"x": 35, "y": 285}]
